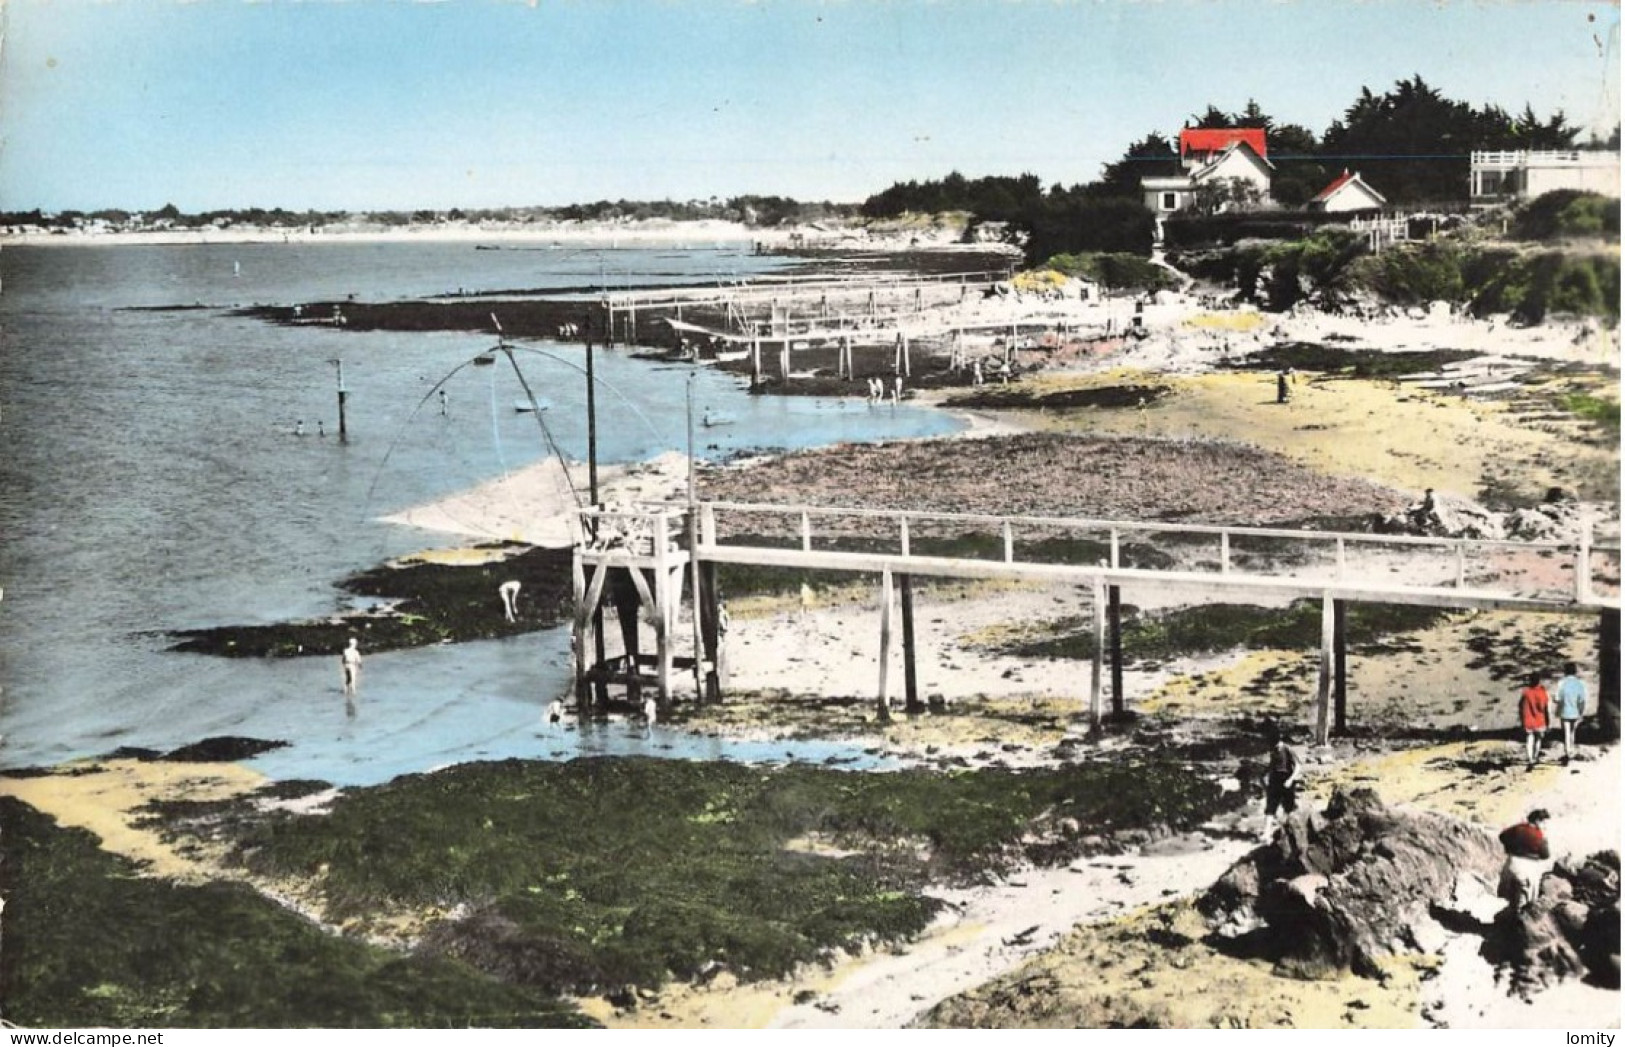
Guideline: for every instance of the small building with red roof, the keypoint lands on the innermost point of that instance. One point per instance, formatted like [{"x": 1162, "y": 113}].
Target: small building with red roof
[{"x": 1347, "y": 193}]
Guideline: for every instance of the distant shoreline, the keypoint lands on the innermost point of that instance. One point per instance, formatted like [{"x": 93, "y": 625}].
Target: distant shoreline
[
  {"x": 613, "y": 234},
  {"x": 448, "y": 232}
]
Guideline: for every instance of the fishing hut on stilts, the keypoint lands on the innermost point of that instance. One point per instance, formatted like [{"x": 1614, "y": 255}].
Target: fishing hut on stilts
[{"x": 640, "y": 561}]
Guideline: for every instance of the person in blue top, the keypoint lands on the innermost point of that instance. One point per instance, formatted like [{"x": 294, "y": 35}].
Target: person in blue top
[{"x": 1571, "y": 705}]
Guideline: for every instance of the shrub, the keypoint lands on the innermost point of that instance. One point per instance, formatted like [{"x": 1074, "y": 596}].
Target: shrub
[
  {"x": 1116, "y": 270},
  {"x": 1564, "y": 213}
]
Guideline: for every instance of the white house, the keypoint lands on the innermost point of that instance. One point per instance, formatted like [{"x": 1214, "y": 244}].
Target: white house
[
  {"x": 1522, "y": 174},
  {"x": 1211, "y": 157},
  {"x": 1347, "y": 193}
]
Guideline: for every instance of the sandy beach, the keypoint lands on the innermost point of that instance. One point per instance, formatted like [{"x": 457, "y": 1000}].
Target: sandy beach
[
  {"x": 1450, "y": 434},
  {"x": 1084, "y": 930}
]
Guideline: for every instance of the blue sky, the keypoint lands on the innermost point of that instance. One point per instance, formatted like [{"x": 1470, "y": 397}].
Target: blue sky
[{"x": 369, "y": 104}]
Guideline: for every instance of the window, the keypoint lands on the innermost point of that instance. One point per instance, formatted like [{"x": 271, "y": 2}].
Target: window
[{"x": 1170, "y": 201}]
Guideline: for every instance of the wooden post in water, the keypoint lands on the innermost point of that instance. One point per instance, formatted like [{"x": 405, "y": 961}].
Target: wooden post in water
[
  {"x": 344, "y": 396},
  {"x": 579, "y": 623},
  {"x": 1340, "y": 668},
  {"x": 1114, "y": 615},
  {"x": 755, "y": 359},
  {"x": 1323, "y": 698},
  {"x": 1096, "y": 705},
  {"x": 602, "y": 685},
  {"x": 911, "y": 688},
  {"x": 784, "y": 359},
  {"x": 628, "y": 583},
  {"x": 589, "y": 596},
  {"x": 662, "y": 615},
  {"x": 884, "y": 708}
]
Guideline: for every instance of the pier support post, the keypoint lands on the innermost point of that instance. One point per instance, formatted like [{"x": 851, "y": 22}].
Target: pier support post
[
  {"x": 755, "y": 361},
  {"x": 627, "y": 583},
  {"x": 580, "y": 620},
  {"x": 1323, "y": 700},
  {"x": 1608, "y": 674},
  {"x": 588, "y": 595},
  {"x": 1096, "y": 705},
  {"x": 784, "y": 359},
  {"x": 884, "y": 707},
  {"x": 1114, "y": 616},
  {"x": 710, "y": 632},
  {"x": 1340, "y": 668},
  {"x": 662, "y": 613},
  {"x": 911, "y": 688}
]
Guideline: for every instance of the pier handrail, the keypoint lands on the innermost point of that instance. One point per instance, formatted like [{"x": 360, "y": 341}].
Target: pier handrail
[
  {"x": 1092, "y": 524},
  {"x": 1579, "y": 593}
]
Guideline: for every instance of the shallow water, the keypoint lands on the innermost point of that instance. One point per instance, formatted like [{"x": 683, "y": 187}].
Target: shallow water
[{"x": 151, "y": 481}]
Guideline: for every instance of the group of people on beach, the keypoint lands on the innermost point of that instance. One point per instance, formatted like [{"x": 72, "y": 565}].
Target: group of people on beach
[
  {"x": 877, "y": 389},
  {"x": 1539, "y": 712},
  {"x": 1528, "y": 852}
]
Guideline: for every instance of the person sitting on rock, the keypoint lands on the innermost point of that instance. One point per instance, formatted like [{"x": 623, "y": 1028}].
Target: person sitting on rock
[
  {"x": 1422, "y": 512},
  {"x": 1527, "y": 856}
]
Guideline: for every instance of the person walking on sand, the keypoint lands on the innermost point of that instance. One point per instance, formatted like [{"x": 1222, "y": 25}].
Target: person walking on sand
[
  {"x": 555, "y": 711},
  {"x": 1280, "y": 785},
  {"x": 897, "y": 390},
  {"x": 1571, "y": 706},
  {"x": 1534, "y": 713},
  {"x": 350, "y": 665},
  {"x": 1528, "y": 854},
  {"x": 651, "y": 710}
]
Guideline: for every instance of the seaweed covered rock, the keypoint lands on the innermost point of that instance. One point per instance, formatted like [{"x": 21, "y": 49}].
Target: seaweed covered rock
[
  {"x": 1342, "y": 889},
  {"x": 1571, "y": 929}
]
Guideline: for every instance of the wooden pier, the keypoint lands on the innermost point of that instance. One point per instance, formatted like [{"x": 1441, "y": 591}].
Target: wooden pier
[{"x": 646, "y": 558}]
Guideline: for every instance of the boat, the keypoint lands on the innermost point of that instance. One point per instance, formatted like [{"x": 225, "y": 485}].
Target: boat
[
  {"x": 526, "y": 406},
  {"x": 486, "y": 358}
]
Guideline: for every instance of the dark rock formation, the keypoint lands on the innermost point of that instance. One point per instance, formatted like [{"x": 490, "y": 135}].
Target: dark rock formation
[
  {"x": 1571, "y": 929},
  {"x": 1342, "y": 889}
]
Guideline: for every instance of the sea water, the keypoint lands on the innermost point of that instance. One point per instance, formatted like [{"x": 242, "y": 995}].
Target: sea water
[{"x": 151, "y": 480}]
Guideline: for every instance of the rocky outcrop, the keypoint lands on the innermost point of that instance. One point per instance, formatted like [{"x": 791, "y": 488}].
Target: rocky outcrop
[
  {"x": 1342, "y": 889},
  {"x": 1558, "y": 519},
  {"x": 1571, "y": 929}
]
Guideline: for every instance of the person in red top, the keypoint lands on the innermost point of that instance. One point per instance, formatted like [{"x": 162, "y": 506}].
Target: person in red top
[
  {"x": 1534, "y": 712},
  {"x": 1527, "y": 855}
]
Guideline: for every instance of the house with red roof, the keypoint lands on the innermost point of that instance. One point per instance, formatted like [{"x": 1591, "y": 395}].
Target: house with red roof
[
  {"x": 1200, "y": 146},
  {"x": 1347, "y": 193},
  {"x": 1231, "y": 157}
]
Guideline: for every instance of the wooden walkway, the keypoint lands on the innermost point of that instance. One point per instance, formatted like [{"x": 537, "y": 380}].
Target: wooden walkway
[{"x": 647, "y": 557}]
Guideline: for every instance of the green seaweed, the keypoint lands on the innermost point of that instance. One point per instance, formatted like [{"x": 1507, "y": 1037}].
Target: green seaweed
[
  {"x": 1221, "y": 627},
  {"x": 91, "y": 943},
  {"x": 598, "y": 873}
]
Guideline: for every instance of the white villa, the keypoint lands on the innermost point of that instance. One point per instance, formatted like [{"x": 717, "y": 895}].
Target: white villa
[
  {"x": 1502, "y": 177},
  {"x": 1211, "y": 156}
]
